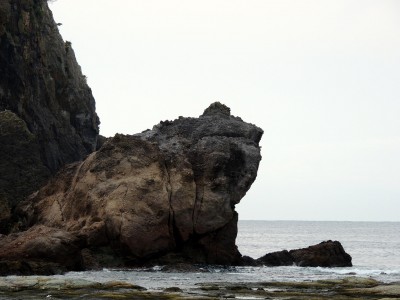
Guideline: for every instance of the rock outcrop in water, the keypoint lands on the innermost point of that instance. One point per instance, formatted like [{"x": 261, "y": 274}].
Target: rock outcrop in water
[
  {"x": 167, "y": 194},
  {"x": 42, "y": 85},
  {"x": 325, "y": 254}
]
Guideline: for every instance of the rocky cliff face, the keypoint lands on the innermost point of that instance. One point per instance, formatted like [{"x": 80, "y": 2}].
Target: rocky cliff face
[
  {"x": 22, "y": 170},
  {"x": 167, "y": 194},
  {"x": 42, "y": 84}
]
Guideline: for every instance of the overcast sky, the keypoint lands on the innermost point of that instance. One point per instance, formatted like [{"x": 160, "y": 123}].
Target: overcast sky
[{"x": 322, "y": 78}]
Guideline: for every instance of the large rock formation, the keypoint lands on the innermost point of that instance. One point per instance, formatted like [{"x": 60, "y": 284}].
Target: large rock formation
[
  {"x": 42, "y": 84},
  {"x": 167, "y": 194}
]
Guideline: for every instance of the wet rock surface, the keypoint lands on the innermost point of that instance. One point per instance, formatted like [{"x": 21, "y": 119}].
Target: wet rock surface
[
  {"x": 325, "y": 254},
  {"x": 356, "y": 288}
]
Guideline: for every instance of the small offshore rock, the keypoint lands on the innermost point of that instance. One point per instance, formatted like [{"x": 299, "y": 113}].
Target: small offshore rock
[{"x": 325, "y": 254}]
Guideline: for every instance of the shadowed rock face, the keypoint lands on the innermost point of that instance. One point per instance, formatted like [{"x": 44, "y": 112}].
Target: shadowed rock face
[
  {"x": 40, "y": 250},
  {"x": 21, "y": 169},
  {"x": 170, "y": 191},
  {"x": 325, "y": 254},
  {"x": 42, "y": 84}
]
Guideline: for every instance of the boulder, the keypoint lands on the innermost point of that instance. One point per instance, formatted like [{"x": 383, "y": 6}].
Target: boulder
[
  {"x": 39, "y": 250},
  {"x": 172, "y": 189},
  {"x": 325, "y": 254},
  {"x": 275, "y": 259}
]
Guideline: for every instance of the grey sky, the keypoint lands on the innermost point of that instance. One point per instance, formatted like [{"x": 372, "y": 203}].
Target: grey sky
[{"x": 322, "y": 78}]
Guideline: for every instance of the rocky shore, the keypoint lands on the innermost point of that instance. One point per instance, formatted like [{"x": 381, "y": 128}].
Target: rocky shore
[
  {"x": 346, "y": 288},
  {"x": 73, "y": 200},
  {"x": 166, "y": 195}
]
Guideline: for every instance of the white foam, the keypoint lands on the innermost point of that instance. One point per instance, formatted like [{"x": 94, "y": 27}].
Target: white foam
[{"x": 358, "y": 271}]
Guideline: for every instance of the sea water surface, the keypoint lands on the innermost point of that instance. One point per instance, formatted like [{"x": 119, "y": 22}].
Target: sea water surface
[{"x": 374, "y": 247}]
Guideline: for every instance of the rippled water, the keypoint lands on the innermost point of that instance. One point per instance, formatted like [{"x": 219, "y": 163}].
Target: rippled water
[
  {"x": 375, "y": 248},
  {"x": 371, "y": 244}
]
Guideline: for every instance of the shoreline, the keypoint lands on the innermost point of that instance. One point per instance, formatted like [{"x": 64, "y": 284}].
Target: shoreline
[{"x": 351, "y": 287}]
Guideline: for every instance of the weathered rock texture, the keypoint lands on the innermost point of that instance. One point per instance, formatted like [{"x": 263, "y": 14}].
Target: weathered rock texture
[
  {"x": 42, "y": 84},
  {"x": 325, "y": 254},
  {"x": 40, "y": 250},
  {"x": 167, "y": 194},
  {"x": 21, "y": 169}
]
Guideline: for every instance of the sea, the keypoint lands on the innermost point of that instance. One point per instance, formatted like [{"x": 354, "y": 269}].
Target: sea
[{"x": 374, "y": 247}]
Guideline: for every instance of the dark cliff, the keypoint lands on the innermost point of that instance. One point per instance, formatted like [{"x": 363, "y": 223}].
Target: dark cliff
[{"x": 42, "y": 84}]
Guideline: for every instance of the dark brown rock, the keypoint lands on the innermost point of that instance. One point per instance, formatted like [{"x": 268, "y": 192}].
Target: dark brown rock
[
  {"x": 248, "y": 261},
  {"x": 39, "y": 250},
  {"x": 169, "y": 190},
  {"x": 216, "y": 247},
  {"x": 274, "y": 259},
  {"x": 325, "y": 254}
]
